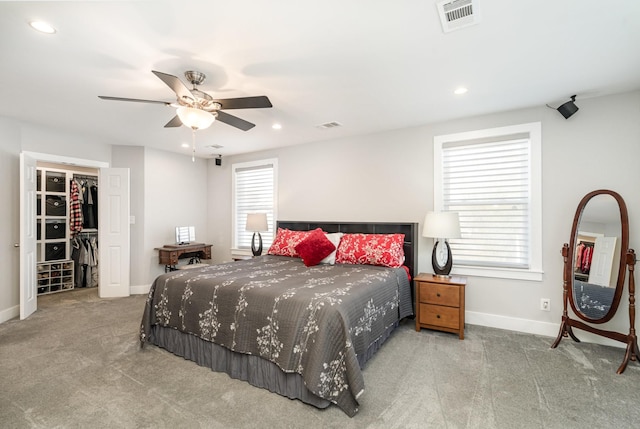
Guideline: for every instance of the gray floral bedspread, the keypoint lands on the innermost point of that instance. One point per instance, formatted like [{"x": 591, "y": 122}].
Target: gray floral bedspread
[{"x": 313, "y": 321}]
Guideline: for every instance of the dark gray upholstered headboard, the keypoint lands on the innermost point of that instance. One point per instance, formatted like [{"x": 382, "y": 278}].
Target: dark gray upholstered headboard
[{"x": 410, "y": 231}]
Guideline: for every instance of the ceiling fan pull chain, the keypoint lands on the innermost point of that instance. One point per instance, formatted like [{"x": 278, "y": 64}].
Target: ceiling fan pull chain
[{"x": 193, "y": 144}]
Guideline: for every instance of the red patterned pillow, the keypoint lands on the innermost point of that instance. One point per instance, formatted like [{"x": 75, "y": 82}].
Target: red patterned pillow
[
  {"x": 371, "y": 249},
  {"x": 286, "y": 241},
  {"x": 315, "y": 248}
]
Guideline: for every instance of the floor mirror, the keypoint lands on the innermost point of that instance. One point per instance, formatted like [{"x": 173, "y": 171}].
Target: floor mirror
[{"x": 597, "y": 260}]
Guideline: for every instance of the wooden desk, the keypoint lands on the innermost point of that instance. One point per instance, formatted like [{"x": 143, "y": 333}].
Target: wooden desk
[{"x": 170, "y": 253}]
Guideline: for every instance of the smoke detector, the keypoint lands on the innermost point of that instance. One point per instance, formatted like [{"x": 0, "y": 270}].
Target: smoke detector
[{"x": 457, "y": 14}]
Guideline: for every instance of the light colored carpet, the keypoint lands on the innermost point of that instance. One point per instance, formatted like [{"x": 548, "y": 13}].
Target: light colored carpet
[{"x": 76, "y": 363}]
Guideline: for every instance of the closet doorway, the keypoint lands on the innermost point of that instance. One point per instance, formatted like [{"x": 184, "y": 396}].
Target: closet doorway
[{"x": 47, "y": 237}]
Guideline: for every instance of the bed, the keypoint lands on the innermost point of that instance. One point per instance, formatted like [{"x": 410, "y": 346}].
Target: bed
[
  {"x": 594, "y": 301},
  {"x": 302, "y": 332}
]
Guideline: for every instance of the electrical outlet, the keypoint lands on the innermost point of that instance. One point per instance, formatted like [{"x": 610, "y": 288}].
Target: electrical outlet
[{"x": 545, "y": 304}]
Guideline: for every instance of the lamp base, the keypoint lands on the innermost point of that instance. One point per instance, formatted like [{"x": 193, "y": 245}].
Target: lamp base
[
  {"x": 258, "y": 251},
  {"x": 441, "y": 270}
]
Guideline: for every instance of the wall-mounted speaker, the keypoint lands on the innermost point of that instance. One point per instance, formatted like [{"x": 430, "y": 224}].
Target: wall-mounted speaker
[
  {"x": 218, "y": 161},
  {"x": 568, "y": 108}
]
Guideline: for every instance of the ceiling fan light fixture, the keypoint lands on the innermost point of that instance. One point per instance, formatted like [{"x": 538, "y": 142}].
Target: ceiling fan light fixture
[{"x": 195, "y": 118}]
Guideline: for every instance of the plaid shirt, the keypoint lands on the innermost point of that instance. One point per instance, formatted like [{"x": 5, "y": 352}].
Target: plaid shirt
[{"x": 75, "y": 211}]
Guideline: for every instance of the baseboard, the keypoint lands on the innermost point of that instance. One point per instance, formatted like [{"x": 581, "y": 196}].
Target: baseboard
[
  {"x": 535, "y": 327},
  {"x": 9, "y": 313},
  {"x": 139, "y": 289},
  {"x": 512, "y": 323}
]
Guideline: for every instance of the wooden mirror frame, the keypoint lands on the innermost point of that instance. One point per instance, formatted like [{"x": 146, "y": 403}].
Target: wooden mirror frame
[
  {"x": 627, "y": 262},
  {"x": 624, "y": 247}
]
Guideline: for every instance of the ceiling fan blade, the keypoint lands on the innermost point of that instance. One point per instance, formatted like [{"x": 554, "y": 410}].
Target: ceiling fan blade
[
  {"x": 175, "y": 122},
  {"x": 175, "y": 84},
  {"x": 258, "y": 102},
  {"x": 234, "y": 121},
  {"x": 137, "y": 100}
]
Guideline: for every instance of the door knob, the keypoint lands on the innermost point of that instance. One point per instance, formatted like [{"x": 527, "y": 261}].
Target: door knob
[{"x": 16, "y": 245}]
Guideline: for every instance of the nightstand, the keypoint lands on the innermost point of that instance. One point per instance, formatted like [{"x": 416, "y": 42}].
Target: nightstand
[{"x": 440, "y": 303}]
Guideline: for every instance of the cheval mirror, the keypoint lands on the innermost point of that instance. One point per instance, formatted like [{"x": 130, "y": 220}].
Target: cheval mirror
[{"x": 596, "y": 261}]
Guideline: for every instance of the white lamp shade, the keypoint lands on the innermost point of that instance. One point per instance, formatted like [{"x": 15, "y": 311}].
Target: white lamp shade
[
  {"x": 257, "y": 222},
  {"x": 195, "y": 118},
  {"x": 441, "y": 225}
]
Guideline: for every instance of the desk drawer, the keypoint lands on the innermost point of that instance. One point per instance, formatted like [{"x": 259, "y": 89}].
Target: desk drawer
[
  {"x": 440, "y": 294},
  {"x": 437, "y": 315}
]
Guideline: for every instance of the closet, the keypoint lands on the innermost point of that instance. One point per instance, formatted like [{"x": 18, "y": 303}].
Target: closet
[{"x": 66, "y": 227}]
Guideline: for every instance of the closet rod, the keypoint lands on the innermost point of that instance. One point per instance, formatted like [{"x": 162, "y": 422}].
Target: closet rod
[
  {"x": 87, "y": 180},
  {"x": 86, "y": 233}
]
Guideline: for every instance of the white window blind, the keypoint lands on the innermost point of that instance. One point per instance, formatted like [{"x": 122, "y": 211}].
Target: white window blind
[
  {"x": 254, "y": 190},
  {"x": 488, "y": 184}
]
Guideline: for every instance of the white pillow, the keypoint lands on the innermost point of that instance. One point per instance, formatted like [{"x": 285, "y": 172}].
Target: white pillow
[{"x": 335, "y": 239}]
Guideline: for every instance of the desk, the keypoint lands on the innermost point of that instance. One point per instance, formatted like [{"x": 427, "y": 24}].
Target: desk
[{"x": 170, "y": 253}]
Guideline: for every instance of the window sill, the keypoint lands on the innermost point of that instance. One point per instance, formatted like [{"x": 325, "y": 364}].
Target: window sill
[
  {"x": 237, "y": 254},
  {"x": 500, "y": 273}
]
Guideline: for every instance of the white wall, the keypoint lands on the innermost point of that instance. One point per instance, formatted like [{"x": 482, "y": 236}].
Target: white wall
[
  {"x": 175, "y": 194},
  {"x": 10, "y": 136},
  {"x": 388, "y": 177},
  {"x": 167, "y": 190},
  {"x": 132, "y": 157},
  {"x": 15, "y": 137}
]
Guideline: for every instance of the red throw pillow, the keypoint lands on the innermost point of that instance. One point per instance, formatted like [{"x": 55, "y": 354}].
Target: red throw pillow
[
  {"x": 286, "y": 241},
  {"x": 371, "y": 249},
  {"x": 315, "y": 248}
]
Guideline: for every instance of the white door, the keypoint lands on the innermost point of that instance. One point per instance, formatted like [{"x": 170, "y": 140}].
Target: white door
[
  {"x": 113, "y": 233},
  {"x": 602, "y": 261},
  {"x": 28, "y": 183}
]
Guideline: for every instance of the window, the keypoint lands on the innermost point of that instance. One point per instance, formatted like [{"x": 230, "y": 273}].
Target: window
[
  {"x": 492, "y": 179},
  {"x": 254, "y": 191}
]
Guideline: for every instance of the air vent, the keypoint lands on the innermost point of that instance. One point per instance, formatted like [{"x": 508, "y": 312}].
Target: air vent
[
  {"x": 215, "y": 146},
  {"x": 328, "y": 125},
  {"x": 457, "y": 14}
]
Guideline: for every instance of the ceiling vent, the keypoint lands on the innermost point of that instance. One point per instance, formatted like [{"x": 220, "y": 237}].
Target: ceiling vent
[
  {"x": 328, "y": 125},
  {"x": 215, "y": 146},
  {"x": 457, "y": 14}
]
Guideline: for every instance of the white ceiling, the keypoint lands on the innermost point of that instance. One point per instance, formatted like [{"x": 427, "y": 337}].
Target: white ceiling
[{"x": 372, "y": 65}]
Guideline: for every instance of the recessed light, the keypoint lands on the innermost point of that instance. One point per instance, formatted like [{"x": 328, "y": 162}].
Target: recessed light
[
  {"x": 276, "y": 126},
  {"x": 185, "y": 145},
  {"x": 42, "y": 27},
  {"x": 461, "y": 90}
]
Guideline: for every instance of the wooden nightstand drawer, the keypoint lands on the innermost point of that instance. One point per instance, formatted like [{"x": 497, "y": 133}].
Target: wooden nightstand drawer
[
  {"x": 437, "y": 315},
  {"x": 440, "y": 303},
  {"x": 440, "y": 294}
]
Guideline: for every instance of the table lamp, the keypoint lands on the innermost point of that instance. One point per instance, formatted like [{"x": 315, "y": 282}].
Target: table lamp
[
  {"x": 441, "y": 226},
  {"x": 256, "y": 222}
]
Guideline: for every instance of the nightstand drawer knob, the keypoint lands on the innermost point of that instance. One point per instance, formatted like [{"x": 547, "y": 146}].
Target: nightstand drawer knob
[
  {"x": 438, "y": 294},
  {"x": 438, "y": 316}
]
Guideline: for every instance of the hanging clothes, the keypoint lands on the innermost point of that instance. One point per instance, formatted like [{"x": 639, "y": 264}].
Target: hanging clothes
[
  {"x": 587, "y": 254},
  {"x": 94, "y": 198},
  {"x": 86, "y": 263},
  {"x": 93, "y": 262},
  {"x": 78, "y": 273},
  {"x": 579, "y": 250},
  {"x": 88, "y": 213},
  {"x": 75, "y": 209}
]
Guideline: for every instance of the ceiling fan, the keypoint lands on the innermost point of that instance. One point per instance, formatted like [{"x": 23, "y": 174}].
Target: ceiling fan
[{"x": 197, "y": 109}]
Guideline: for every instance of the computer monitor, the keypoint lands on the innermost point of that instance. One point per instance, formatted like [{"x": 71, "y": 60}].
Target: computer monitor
[{"x": 185, "y": 234}]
